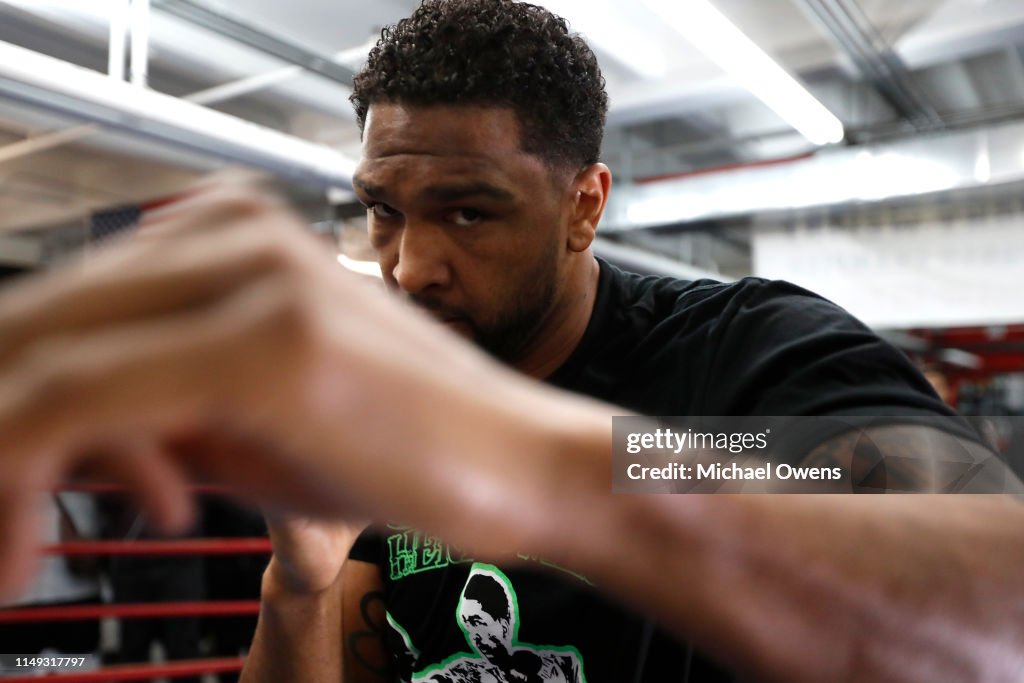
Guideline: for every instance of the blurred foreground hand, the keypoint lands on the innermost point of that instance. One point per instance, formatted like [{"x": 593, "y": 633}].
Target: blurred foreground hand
[{"x": 224, "y": 341}]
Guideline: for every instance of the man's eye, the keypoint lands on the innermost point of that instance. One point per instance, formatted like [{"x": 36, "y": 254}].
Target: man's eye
[
  {"x": 465, "y": 217},
  {"x": 381, "y": 211}
]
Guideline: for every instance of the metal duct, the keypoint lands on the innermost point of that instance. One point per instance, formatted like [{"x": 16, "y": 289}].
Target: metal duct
[
  {"x": 81, "y": 94},
  {"x": 229, "y": 27},
  {"x": 920, "y": 165}
]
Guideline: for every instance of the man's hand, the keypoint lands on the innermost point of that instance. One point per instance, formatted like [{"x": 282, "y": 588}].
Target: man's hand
[
  {"x": 224, "y": 340},
  {"x": 309, "y": 554}
]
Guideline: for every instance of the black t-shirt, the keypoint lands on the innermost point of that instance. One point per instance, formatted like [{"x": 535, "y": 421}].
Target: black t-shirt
[{"x": 656, "y": 346}]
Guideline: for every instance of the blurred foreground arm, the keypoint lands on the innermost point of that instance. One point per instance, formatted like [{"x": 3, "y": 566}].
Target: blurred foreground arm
[{"x": 226, "y": 342}]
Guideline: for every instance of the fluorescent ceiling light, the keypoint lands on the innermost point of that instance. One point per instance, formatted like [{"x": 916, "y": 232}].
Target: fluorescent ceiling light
[
  {"x": 371, "y": 268},
  {"x": 712, "y": 33}
]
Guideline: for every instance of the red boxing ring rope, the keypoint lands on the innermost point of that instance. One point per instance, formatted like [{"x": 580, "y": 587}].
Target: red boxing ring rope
[
  {"x": 138, "y": 610},
  {"x": 150, "y": 548},
  {"x": 204, "y": 546}
]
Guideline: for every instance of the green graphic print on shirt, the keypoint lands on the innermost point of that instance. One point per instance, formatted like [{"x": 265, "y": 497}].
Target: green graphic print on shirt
[
  {"x": 412, "y": 552},
  {"x": 488, "y": 615}
]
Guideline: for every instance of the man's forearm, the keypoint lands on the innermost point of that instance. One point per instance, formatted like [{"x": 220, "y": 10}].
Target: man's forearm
[
  {"x": 809, "y": 588},
  {"x": 783, "y": 587},
  {"x": 298, "y": 635},
  {"x": 825, "y": 588}
]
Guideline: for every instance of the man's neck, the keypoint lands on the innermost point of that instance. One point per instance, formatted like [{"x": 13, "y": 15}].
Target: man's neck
[{"x": 568, "y": 321}]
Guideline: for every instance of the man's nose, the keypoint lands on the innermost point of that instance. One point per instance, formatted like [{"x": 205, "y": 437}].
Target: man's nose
[{"x": 422, "y": 263}]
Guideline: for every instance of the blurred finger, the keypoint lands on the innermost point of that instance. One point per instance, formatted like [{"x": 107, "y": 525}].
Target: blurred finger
[
  {"x": 133, "y": 282},
  {"x": 163, "y": 376},
  {"x": 21, "y": 528},
  {"x": 154, "y": 481}
]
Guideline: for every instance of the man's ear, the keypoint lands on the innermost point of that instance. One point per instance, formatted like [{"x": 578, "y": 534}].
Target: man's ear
[{"x": 590, "y": 190}]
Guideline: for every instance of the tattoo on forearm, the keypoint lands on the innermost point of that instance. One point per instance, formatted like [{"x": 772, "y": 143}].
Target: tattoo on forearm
[
  {"x": 910, "y": 458},
  {"x": 372, "y": 609},
  {"x": 829, "y": 453}
]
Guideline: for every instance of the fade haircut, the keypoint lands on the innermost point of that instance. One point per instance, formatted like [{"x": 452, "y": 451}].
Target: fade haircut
[{"x": 498, "y": 53}]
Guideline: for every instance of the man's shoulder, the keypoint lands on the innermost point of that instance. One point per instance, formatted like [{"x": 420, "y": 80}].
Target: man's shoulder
[{"x": 663, "y": 296}]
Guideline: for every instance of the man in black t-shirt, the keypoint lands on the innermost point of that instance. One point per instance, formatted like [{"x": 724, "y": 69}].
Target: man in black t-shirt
[
  {"x": 229, "y": 342},
  {"x": 482, "y": 124}
]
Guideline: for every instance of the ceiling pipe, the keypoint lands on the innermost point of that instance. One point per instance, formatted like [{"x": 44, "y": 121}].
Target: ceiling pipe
[
  {"x": 56, "y": 86},
  {"x": 119, "y": 10},
  {"x": 844, "y": 23},
  {"x": 140, "y": 43}
]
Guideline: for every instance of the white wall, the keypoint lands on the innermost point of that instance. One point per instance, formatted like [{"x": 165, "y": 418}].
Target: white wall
[{"x": 933, "y": 273}]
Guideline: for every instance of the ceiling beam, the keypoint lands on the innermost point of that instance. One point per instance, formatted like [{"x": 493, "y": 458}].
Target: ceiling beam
[{"x": 199, "y": 14}]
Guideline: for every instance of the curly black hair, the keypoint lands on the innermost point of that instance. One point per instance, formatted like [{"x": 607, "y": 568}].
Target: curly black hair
[{"x": 494, "y": 53}]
